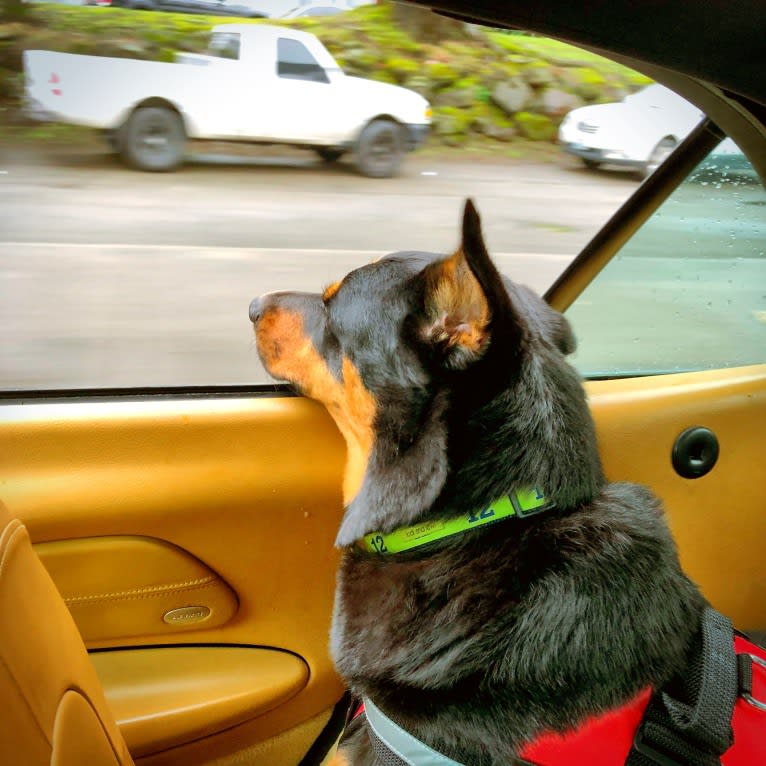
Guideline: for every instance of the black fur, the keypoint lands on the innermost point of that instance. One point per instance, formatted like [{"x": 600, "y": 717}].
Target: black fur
[{"x": 478, "y": 643}]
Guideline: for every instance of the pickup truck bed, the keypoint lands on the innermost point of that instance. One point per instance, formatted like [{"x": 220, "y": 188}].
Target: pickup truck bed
[{"x": 259, "y": 83}]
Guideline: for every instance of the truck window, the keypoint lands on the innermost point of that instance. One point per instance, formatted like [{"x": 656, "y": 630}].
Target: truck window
[
  {"x": 225, "y": 45},
  {"x": 295, "y": 62}
]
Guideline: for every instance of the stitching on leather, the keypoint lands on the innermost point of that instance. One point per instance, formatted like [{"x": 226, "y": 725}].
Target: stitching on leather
[
  {"x": 151, "y": 590},
  {"x": 204, "y": 586}
]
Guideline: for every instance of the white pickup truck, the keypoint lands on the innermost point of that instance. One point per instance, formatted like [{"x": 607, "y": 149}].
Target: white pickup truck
[{"x": 257, "y": 83}]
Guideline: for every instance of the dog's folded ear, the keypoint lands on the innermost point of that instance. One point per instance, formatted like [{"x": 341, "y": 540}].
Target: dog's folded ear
[{"x": 464, "y": 295}]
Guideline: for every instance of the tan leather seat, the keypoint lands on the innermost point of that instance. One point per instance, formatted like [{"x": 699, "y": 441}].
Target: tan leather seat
[{"x": 52, "y": 708}]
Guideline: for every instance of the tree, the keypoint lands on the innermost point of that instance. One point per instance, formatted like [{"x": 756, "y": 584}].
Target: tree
[{"x": 14, "y": 10}]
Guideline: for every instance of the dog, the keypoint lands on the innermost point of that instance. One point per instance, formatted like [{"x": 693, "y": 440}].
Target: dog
[{"x": 494, "y": 587}]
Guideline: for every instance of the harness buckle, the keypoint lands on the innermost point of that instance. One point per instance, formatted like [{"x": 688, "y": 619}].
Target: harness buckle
[{"x": 747, "y": 694}]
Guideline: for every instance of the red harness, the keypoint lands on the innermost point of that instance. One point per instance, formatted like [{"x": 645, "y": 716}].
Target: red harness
[{"x": 606, "y": 740}]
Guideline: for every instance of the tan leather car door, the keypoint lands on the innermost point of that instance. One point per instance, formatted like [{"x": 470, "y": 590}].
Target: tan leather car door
[{"x": 193, "y": 542}]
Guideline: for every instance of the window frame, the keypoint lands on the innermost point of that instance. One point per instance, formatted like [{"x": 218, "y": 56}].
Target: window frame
[{"x": 633, "y": 214}]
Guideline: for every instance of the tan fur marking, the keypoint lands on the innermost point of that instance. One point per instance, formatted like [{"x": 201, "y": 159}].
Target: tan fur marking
[
  {"x": 287, "y": 353},
  {"x": 282, "y": 344},
  {"x": 457, "y": 305},
  {"x": 330, "y": 290},
  {"x": 359, "y": 414},
  {"x": 338, "y": 760}
]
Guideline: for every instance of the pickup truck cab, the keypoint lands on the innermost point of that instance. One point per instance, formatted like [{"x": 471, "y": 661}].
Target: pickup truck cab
[{"x": 257, "y": 83}]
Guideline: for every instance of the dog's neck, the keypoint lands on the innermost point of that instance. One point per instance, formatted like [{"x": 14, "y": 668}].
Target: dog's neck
[
  {"x": 406, "y": 471},
  {"x": 536, "y": 432},
  {"x": 431, "y": 461},
  {"x": 516, "y": 505}
]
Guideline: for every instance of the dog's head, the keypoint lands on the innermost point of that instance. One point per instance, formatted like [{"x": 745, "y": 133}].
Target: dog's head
[{"x": 427, "y": 364}]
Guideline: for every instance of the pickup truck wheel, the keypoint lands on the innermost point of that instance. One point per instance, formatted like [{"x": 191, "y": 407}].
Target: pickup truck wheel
[
  {"x": 153, "y": 139},
  {"x": 379, "y": 151},
  {"x": 328, "y": 154}
]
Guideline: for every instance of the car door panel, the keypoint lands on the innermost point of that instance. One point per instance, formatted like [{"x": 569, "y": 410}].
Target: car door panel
[
  {"x": 208, "y": 483},
  {"x": 163, "y": 697},
  {"x": 214, "y": 479},
  {"x": 718, "y": 520}
]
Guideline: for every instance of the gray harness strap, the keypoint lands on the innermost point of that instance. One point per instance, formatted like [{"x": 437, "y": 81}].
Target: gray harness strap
[{"x": 401, "y": 743}]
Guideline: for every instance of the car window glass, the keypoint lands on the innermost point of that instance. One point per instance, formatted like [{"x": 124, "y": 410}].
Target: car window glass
[
  {"x": 224, "y": 45},
  {"x": 115, "y": 277},
  {"x": 687, "y": 291},
  {"x": 294, "y": 61}
]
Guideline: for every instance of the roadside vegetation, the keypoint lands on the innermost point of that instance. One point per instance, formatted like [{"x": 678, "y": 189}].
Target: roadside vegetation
[{"x": 488, "y": 88}]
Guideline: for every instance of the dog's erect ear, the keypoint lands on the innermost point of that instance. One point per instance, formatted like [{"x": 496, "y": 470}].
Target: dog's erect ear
[
  {"x": 462, "y": 295},
  {"x": 457, "y": 311}
]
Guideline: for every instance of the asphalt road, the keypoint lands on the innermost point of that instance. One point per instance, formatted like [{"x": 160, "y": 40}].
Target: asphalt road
[{"x": 110, "y": 277}]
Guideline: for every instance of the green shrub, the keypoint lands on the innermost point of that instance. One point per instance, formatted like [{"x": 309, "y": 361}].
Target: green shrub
[
  {"x": 536, "y": 127},
  {"x": 440, "y": 73},
  {"x": 401, "y": 68}
]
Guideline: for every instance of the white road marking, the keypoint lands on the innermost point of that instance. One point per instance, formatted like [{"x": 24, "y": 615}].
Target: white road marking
[{"x": 248, "y": 251}]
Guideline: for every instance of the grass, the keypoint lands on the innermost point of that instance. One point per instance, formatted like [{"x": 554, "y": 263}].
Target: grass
[
  {"x": 519, "y": 149},
  {"x": 48, "y": 131},
  {"x": 482, "y": 150}
]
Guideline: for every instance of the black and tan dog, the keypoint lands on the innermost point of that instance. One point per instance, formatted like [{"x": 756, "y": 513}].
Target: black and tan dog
[{"x": 493, "y": 585}]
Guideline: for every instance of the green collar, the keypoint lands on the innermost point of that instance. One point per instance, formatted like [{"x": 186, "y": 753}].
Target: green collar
[{"x": 524, "y": 502}]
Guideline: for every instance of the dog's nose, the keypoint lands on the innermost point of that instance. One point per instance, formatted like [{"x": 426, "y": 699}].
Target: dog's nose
[{"x": 256, "y": 309}]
